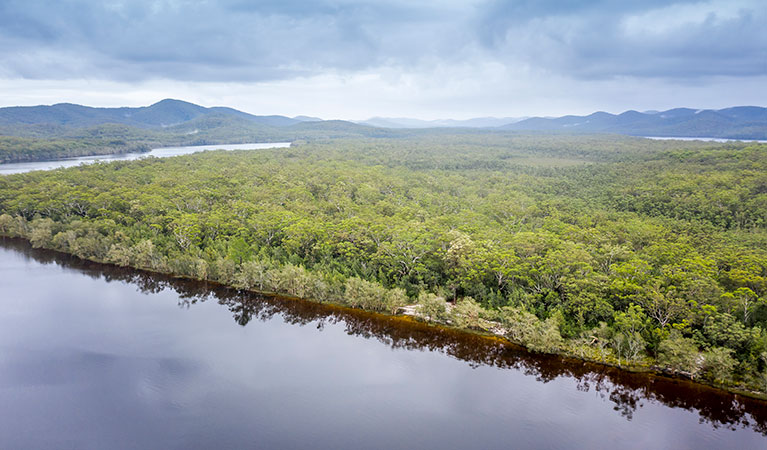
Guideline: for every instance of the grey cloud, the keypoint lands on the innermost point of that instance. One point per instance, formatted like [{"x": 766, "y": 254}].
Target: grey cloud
[
  {"x": 501, "y": 16},
  {"x": 207, "y": 40},
  {"x": 524, "y": 10},
  {"x": 591, "y": 41},
  {"x": 238, "y": 40}
]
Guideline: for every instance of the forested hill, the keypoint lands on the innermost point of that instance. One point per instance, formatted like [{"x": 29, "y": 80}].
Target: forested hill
[
  {"x": 45, "y": 143},
  {"x": 65, "y": 130},
  {"x": 165, "y": 113},
  {"x": 741, "y": 122},
  {"x": 614, "y": 249}
]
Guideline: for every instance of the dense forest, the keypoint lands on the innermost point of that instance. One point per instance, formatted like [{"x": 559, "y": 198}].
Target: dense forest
[
  {"x": 622, "y": 250},
  {"x": 63, "y": 131},
  {"x": 40, "y": 142},
  {"x": 16, "y": 149}
]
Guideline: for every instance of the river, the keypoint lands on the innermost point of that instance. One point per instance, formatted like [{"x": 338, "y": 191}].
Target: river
[
  {"x": 94, "y": 356},
  {"x": 704, "y": 139},
  {"x": 164, "y": 152}
]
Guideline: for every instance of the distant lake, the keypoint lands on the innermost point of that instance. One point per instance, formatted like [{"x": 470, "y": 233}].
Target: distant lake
[
  {"x": 163, "y": 152},
  {"x": 706, "y": 139},
  {"x": 94, "y": 356}
]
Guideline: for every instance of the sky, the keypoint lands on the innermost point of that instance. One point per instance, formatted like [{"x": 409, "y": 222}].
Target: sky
[{"x": 349, "y": 59}]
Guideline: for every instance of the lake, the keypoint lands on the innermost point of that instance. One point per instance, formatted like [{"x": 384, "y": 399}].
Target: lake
[
  {"x": 95, "y": 356},
  {"x": 164, "y": 152}
]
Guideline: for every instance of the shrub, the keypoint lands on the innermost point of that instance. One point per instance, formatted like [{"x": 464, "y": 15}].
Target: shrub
[
  {"x": 433, "y": 307},
  {"x": 359, "y": 293},
  {"x": 467, "y": 313},
  {"x": 680, "y": 354},
  {"x": 718, "y": 363}
]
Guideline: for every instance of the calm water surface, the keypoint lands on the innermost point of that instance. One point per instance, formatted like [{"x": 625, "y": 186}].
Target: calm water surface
[
  {"x": 7, "y": 169},
  {"x": 706, "y": 139},
  {"x": 95, "y": 357}
]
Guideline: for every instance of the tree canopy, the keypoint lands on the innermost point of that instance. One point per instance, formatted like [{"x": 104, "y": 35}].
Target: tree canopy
[{"x": 615, "y": 249}]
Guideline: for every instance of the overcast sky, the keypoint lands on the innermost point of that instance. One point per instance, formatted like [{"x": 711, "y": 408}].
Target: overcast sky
[{"x": 403, "y": 58}]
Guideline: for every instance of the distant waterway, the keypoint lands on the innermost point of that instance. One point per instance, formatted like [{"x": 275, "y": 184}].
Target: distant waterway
[
  {"x": 164, "y": 152},
  {"x": 95, "y": 356},
  {"x": 705, "y": 139}
]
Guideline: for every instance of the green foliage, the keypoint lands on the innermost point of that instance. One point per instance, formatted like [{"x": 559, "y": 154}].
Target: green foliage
[
  {"x": 681, "y": 355},
  {"x": 526, "y": 329},
  {"x": 395, "y": 299},
  {"x": 432, "y": 307},
  {"x": 41, "y": 233},
  {"x": 363, "y": 294},
  {"x": 253, "y": 275},
  {"x": 467, "y": 313},
  {"x": 8, "y": 226},
  {"x": 625, "y": 248},
  {"x": 297, "y": 281},
  {"x": 17, "y": 149},
  {"x": 628, "y": 339},
  {"x": 718, "y": 363}
]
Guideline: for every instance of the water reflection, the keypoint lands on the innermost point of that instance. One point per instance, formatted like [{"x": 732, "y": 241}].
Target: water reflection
[{"x": 627, "y": 391}]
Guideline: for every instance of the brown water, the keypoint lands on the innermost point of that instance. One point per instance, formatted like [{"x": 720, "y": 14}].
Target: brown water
[{"x": 93, "y": 356}]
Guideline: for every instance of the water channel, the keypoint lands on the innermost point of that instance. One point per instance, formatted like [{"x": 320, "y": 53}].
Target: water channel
[
  {"x": 164, "y": 152},
  {"x": 94, "y": 356}
]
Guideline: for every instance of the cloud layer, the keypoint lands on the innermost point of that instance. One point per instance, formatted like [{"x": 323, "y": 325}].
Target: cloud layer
[{"x": 516, "y": 45}]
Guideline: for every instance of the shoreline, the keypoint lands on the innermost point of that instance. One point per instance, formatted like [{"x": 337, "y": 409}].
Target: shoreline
[
  {"x": 130, "y": 155},
  {"x": 652, "y": 371}
]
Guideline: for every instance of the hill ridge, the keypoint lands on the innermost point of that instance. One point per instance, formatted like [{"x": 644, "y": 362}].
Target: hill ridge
[
  {"x": 737, "y": 122},
  {"x": 164, "y": 113}
]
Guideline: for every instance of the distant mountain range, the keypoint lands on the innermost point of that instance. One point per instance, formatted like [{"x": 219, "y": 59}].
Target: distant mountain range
[
  {"x": 176, "y": 118},
  {"x": 404, "y": 122},
  {"x": 170, "y": 122},
  {"x": 740, "y": 122},
  {"x": 162, "y": 114}
]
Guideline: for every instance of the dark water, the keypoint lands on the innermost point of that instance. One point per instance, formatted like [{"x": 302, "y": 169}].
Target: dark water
[{"x": 95, "y": 357}]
